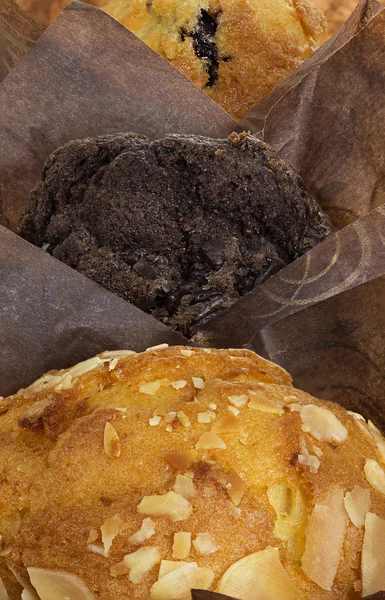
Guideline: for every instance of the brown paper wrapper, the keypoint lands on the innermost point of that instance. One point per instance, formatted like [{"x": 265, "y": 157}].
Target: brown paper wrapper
[
  {"x": 88, "y": 75},
  {"x": 326, "y": 120},
  {"x": 18, "y": 33}
]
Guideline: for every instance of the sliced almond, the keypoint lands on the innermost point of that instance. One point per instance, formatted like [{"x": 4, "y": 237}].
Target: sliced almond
[
  {"x": 375, "y": 475},
  {"x": 150, "y": 388},
  {"x": 227, "y": 424},
  {"x": 158, "y": 347},
  {"x": 236, "y": 512},
  {"x": 182, "y": 460},
  {"x": 138, "y": 564},
  {"x": 206, "y": 417},
  {"x": 259, "y": 576},
  {"x": 210, "y": 441},
  {"x": 96, "y": 549},
  {"x": 239, "y": 401},
  {"x": 179, "y": 385},
  {"x": 322, "y": 424},
  {"x": 373, "y": 555},
  {"x": 3, "y": 591},
  {"x": 235, "y": 486},
  {"x": 307, "y": 460},
  {"x": 289, "y": 503},
  {"x": 113, "y": 364},
  {"x": 26, "y": 594},
  {"x": 204, "y": 544},
  {"x": 178, "y": 584},
  {"x": 112, "y": 445},
  {"x": 154, "y": 421},
  {"x": 117, "y": 353},
  {"x": 357, "y": 503},
  {"x": 186, "y": 353},
  {"x": 146, "y": 531},
  {"x": 260, "y": 402},
  {"x": 184, "y": 486},
  {"x": 171, "y": 505},
  {"x": 86, "y": 366},
  {"x": 167, "y": 566},
  {"x": 56, "y": 585},
  {"x": 198, "y": 382},
  {"x": 325, "y": 536},
  {"x": 182, "y": 545},
  {"x": 111, "y": 527},
  {"x": 183, "y": 418},
  {"x": 233, "y": 410},
  {"x": 93, "y": 536}
]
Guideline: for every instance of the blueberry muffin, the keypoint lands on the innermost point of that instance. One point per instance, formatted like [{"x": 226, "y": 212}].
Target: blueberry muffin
[{"x": 235, "y": 50}]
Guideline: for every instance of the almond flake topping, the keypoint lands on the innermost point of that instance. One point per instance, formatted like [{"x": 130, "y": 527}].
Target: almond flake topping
[
  {"x": 96, "y": 549},
  {"x": 325, "y": 536},
  {"x": 184, "y": 486},
  {"x": 112, "y": 445},
  {"x": 210, "y": 441},
  {"x": 204, "y": 544},
  {"x": 206, "y": 417},
  {"x": 198, "y": 382},
  {"x": 93, "y": 536},
  {"x": 3, "y": 591},
  {"x": 373, "y": 559},
  {"x": 178, "y": 385},
  {"x": 183, "y": 418},
  {"x": 322, "y": 424},
  {"x": 233, "y": 410},
  {"x": 166, "y": 566},
  {"x": 117, "y": 353},
  {"x": 57, "y": 585},
  {"x": 111, "y": 527},
  {"x": 375, "y": 475},
  {"x": 186, "y": 353},
  {"x": 227, "y": 424},
  {"x": 171, "y": 505},
  {"x": 150, "y": 388},
  {"x": 357, "y": 503},
  {"x": 239, "y": 401},
  {"x": 158, "y": 347},
  {"x": 146, "y": 531},
  {"x": 137, "y": 564},
  {"x": 154, "y": 421},
  {"x": 260, "y": 571},
  {"x": 235, "y": 486},
  {"x": 86, "y": 366},
  {"x": 182, "y": 545},
  {"x": 178, "y": 583},
  {"x": 113, "y": 364},
  {"x": 261, "y": 402}
]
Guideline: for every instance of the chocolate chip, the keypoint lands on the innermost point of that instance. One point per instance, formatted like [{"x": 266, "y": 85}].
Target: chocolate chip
[
  {"x": 213, "y": 253},
  {"x": 146, "y": 269},
  {"x": 271, "y": 266}
]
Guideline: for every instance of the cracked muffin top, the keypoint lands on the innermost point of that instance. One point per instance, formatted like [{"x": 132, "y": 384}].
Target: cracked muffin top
[
  {"x": 140, "y": 476},
  {"x": 181, "y": 227},
  {"x": 235, "y": 50}
]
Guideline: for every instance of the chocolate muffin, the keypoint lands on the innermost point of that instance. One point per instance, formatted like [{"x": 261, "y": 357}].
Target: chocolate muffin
[{"x": 181, "y": 227}]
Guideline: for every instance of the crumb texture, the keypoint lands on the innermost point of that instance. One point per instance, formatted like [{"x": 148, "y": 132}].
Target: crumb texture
[{"x": 181, "y": 227}]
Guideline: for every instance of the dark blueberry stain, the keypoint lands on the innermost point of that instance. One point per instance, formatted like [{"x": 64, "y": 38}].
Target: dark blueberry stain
[{"x": 203, "y": 36}]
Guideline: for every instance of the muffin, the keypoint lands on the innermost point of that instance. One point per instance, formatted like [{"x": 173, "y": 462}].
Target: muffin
[
  {"x": 137, "y": 476},
  {"x": 181, "y": 227},
  {"x": 235, "y": 50}
]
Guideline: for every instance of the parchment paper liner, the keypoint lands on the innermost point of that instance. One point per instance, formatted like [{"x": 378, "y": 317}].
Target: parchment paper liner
[
  {"x": 87, "y": 75},
  {"x": 18, "y": 32}
]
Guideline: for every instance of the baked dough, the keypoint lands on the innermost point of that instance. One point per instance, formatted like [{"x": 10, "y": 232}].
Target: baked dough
[
  {"x": 185, "y": 455},
  {"x": 235, "y": 50}
]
